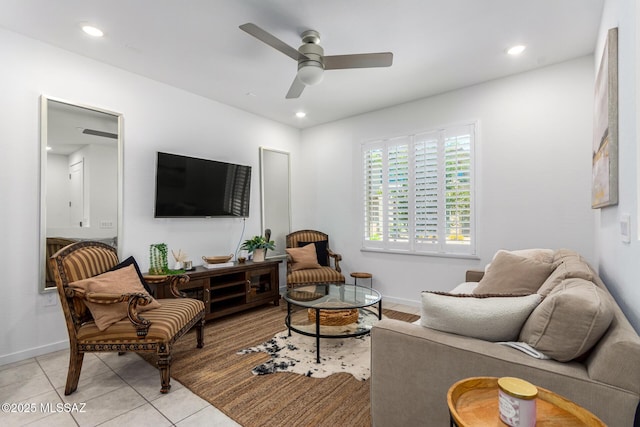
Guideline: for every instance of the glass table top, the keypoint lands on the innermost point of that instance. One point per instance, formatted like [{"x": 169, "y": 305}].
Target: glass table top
[{"x": 332, "y": 296}]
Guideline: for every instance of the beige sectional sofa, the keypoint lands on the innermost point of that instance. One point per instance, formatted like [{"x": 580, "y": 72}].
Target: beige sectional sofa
[{"x": 412, "y": 366}]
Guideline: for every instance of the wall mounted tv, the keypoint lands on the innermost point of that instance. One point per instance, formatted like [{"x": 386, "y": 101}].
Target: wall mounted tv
[{"x": 197, "y": 188}]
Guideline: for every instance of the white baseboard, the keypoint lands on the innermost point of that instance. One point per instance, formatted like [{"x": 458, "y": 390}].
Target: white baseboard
[{"x": 5, "y": 359}]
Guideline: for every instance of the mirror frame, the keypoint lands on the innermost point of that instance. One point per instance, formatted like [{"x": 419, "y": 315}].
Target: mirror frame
[
  {"x": 44, "y": 103},
  {"x": 266, "y": 180}
]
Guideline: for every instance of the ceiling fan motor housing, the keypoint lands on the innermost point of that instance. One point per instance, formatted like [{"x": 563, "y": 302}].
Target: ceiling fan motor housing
[{"x": 310, "y": 62}]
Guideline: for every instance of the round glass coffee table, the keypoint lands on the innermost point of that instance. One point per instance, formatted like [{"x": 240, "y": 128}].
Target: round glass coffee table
[{"x": 332, "y": 310}]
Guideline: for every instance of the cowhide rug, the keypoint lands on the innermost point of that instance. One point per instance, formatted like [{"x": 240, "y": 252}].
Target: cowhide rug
[{"x": 297, "y": 354}]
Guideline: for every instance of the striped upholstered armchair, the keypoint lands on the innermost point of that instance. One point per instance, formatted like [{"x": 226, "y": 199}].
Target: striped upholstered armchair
[
  {"x": 91, "y": 285},
  {"x": 322, "y": 272}
]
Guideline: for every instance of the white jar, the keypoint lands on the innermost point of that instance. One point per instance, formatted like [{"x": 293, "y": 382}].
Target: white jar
[{"x": 517, "y": 402}]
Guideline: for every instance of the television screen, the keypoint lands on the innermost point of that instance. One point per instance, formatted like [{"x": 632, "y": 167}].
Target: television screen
[{"x": 192, "y": 187}]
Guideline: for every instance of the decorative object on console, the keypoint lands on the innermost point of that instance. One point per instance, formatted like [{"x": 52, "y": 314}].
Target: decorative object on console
[
  {"x": 258, "y": 246},
  {"x": 180, "y": 258},
  {"x": 217, "y": 259},
  {"x": 217, "y": 265},
  {"x": 158, "y": 263}
]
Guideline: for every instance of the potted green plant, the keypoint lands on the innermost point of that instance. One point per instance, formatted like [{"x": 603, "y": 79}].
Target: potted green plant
[{"x": 258, "y": 245}]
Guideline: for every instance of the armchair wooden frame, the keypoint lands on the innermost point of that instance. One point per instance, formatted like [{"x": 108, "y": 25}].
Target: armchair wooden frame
[{"x": 154, "y": 331}]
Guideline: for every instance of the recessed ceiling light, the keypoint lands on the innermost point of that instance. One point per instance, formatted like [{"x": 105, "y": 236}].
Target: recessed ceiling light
[
  {"x": 516, "y": 50},
  {"x": 92, "y": 31},
  {"x": 301, "y": 114},
  {"x": 48, "y": 148}
]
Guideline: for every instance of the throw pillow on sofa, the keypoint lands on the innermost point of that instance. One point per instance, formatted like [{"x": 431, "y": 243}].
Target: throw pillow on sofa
[
  {"x": 122, "y": 281},
  {"x": 486, "y": 317},
  {"x": 570, "y": 320},
  {"x": 540, "y": 255},
  {"x": 513, "y": 274}
]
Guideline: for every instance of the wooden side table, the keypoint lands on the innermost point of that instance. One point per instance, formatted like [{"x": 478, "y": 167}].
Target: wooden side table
[
  {"x": 361, "y": 275},
  {"x": 474, "y": 402}
]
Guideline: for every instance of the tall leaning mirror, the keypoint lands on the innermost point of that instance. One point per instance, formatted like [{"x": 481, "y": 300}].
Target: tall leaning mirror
[
  {"x": 81, "y": 178},
  {"x": 275, "y": 197}
]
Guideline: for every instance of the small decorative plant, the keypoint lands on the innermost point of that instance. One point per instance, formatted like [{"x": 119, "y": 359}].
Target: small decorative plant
[
  {"x": 258, "y": 242},
  {"x": 158, "y": 262}
]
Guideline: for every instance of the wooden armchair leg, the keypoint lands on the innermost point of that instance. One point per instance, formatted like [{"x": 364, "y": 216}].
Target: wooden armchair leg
[
  {"x": 200, "y": 333},
  {"x": 75, "y": 366},
  {"x": 164, "y": 365}
]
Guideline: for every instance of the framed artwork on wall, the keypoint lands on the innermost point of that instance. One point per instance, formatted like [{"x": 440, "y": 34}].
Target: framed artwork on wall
[{"x": 604, "y": 185}]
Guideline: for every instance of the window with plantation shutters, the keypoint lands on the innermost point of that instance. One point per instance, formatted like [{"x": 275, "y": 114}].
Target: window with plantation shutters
[{"x": 419, "y": 192}]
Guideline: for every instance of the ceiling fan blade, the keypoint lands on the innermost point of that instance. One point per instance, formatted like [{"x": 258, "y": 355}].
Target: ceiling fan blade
[
  {"x": 362, "y": 60},
  {"x": 296, "y": 89},
  {"x": 100, "y": 133},
  {"x": 271, "y": 40}
]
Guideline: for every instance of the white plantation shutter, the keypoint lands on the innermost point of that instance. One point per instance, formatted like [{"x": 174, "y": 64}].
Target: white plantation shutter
[
  {"x": 427, "y": 190},
  {"x": 373, "y": 194},
  {"x": 457, "y": 161},
  {"x": 398, "y": 193},
  {"x": 419, "y": 191}
]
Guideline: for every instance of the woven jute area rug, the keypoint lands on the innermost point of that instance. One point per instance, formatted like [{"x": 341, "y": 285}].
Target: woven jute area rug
[{"x": 219, "y": 375}]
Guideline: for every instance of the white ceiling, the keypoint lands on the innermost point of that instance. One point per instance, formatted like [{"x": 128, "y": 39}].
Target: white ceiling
[{"x": 196, "y": 45}]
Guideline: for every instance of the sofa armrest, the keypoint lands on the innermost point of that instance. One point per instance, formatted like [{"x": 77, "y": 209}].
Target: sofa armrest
[
  {"x": 474, "y": 275},
  {"x": 412, "y": 368}
]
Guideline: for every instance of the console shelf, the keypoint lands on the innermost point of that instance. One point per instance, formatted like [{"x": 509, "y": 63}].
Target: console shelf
[{"x": 229, "y": 289}]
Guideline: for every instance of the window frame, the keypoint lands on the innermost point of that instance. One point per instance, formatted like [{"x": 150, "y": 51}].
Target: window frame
[{"x": 413, "y": 246}]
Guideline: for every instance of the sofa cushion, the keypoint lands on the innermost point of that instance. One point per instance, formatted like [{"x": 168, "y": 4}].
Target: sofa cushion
[
  {"x": 569, "y": 321},
  {"x": 122, "y": 281},
  {"x": 487, "y": 317},
  {"x": 315, "y": 275},
  {"x": 567, "y": 267},
  {"x": 303, "y": 258},
  {"x": 513, "y": 274}
]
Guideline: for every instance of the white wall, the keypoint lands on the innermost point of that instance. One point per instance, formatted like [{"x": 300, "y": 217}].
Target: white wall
[
  {"x": 156, "y": 117},
  {"x": 533, "y": 157},
  {"x": 618, "y": 261}
]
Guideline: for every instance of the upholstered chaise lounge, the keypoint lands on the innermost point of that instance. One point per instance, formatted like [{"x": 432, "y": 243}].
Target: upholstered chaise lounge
[{"x": 111, "y": 319}]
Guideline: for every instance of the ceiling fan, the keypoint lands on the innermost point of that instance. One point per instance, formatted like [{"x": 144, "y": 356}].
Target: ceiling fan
[{"x": 311, "y": 59}]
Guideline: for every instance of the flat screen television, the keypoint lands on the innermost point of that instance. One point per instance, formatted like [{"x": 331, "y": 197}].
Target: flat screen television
[{"x": 197, "y": 188}]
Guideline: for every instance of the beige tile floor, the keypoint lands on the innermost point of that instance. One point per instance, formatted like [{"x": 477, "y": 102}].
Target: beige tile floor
[{"x": 113, "y": 391}]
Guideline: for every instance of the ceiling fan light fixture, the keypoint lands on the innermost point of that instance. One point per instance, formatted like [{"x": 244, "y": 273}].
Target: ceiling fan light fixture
[{"x": 310, "y": 73}]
